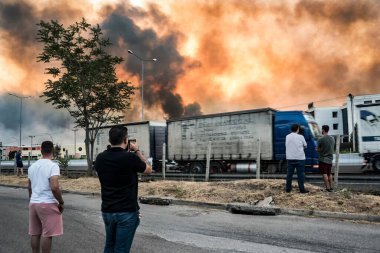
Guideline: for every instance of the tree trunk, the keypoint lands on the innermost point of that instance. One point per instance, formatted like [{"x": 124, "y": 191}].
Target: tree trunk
[
  {"x": 92, "y": 154},
  {"x": 87, "y": 145}
]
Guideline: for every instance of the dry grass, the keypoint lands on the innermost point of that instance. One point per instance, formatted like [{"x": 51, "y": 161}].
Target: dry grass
[{"x": 242, "y": 191}]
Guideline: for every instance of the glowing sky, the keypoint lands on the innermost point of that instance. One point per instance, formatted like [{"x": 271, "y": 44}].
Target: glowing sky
[{"x": 213, "y": 56}]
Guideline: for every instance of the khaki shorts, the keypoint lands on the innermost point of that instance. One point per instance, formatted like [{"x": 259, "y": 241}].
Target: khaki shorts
[{"x": 45, "y": 219}]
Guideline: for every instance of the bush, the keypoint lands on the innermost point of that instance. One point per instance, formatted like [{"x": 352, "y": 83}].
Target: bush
[{"x": 63, "y": 163}]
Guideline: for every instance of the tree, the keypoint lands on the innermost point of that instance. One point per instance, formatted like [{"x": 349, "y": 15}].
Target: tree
[
  {"x": 57, "y": 151},
  {"x": 83, "y": 77}
]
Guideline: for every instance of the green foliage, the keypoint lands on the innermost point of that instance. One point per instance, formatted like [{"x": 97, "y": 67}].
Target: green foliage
[
  {"x": 63, "y": 162},
  {"x": 57, "y": 152},
  {"x": 83, "y": 79},
  {"x": 12, "y": 155}
]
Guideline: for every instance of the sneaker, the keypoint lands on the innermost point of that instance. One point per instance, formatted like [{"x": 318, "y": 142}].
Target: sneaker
[
  {"x": 304, "y": 191},
  {"x": 288, "y": 191},
  {"x": 330, "y": 190}
]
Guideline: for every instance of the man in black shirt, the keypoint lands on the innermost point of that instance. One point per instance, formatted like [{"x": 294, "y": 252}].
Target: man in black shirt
[{"x": 117, "y": 171}]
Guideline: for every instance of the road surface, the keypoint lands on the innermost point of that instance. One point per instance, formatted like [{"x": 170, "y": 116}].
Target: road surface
[{"x": 183, "y": 229}]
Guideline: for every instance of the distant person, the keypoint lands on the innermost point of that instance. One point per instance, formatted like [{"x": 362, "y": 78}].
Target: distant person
[
  {"x": 295, "y": 155},
  {"x": 117, "y": 171},
  {"x": 19, "y": 164},
  {"x": 46, "y": 203},
  {"x": 325, "y": 149}
]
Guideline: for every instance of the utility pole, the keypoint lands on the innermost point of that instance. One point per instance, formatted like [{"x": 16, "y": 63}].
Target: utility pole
[
  {"x": 21, "y": 98},
  {"x": 142, "y": 60},
  {"x": 75, "y": 140},
  {"x": 31, "y": 141},
  {"x": 353, "y": 123}
]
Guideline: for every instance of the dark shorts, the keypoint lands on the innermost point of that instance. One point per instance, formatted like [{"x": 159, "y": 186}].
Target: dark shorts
[
  {"x": 19, "y": 165},
  {"x": 325, "y": 168}
]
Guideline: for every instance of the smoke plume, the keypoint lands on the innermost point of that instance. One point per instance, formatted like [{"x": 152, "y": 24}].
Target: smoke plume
[{"x": 213, "y": 56}]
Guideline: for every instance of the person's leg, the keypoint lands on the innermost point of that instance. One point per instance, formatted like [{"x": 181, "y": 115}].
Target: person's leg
[
  {"x": 127, "y": 224},
  {"x": 326, "y": 181},
  {"x": 329, "y": 177},
  {"x": 22, "y": 171},
  {"x": 323, "y": 169},
  {"x": 35, "y": 243},
  {"x": 110, "y": 228},
  {"x": 35, "y": 228},
  {"x": 46, "y": 244},
  {"x": 289, "y": 176},
  {"x": 300, "y": 166},
  {"x": 52, "y": 224}
]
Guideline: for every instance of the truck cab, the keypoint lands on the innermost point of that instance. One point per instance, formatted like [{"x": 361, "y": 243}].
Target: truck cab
[{"x": 309, "y": 129}]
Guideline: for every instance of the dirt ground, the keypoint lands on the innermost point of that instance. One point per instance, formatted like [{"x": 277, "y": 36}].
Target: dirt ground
[{"x": 241, "y": 191}]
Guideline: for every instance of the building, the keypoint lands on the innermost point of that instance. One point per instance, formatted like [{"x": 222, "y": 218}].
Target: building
[
  {"x": 340, "y": 119},
  {"x": 77, "y": 151},
  {"x": 331, "y": 116},
  {"x": 7, "y": 151}
]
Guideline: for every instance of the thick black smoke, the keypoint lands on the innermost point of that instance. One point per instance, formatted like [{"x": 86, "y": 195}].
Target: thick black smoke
[{"x": 161, "y": 77}]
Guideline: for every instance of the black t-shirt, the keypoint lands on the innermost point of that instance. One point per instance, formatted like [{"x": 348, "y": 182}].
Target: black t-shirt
[{"x": 117, "y": 171}]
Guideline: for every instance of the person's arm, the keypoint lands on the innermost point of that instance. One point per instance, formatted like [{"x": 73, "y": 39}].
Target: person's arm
[
  {"x": 304, "y": 142},
  {"x": 54, "y": 185},
  {"x": 148, "y": 168},
  {"x": 135, "y": 147},
  {"x": 30, "y": 188}
]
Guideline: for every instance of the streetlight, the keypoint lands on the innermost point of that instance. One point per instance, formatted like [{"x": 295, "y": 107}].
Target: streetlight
[
  {"x": 353, "y": 123},
  {"x": 21, "y": 98},
  {"x": 31, "y": 141},
  {"x": 142, "y": 79}
]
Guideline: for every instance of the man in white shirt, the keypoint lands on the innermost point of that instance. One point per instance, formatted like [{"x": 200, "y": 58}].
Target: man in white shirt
[
  {"x": 295, "y": 155},
  {"x": 46, "y": 203}
]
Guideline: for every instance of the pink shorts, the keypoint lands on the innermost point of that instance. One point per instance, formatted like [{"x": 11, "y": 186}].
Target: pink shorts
[{"x": 45, "y": 219}]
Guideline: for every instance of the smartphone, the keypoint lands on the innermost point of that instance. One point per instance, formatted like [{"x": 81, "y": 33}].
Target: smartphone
[{"x": 129, "y": 145}]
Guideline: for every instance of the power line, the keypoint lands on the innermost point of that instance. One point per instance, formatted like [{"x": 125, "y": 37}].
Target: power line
[{"x": 323, "y": 100}]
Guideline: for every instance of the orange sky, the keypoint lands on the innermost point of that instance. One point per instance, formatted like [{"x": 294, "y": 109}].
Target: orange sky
[{"x": 213, "y": 56}]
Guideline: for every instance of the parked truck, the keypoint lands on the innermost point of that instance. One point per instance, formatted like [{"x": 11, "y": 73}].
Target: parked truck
[
  {"x": 150, "y": 136},
  {"x": 235, "y": 138},
  {"x": 368, "y": 129}
]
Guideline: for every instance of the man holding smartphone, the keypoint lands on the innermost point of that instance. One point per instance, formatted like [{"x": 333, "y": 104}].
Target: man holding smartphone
[{"x": 117, "y": 171}]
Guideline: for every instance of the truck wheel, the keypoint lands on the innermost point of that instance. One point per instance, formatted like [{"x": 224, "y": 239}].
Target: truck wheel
[
  {"x": 283, "y": 166},
  {"x": 272, "y": 168},
  {"x": 197, "y": 167},
  {"x": 216, "y": 167},
  {"x": 376, "y": 164}
]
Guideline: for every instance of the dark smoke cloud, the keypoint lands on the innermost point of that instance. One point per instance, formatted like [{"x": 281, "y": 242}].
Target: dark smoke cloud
[
  {"x": 18, "y": 20},
  {"x": 341, "y": 13},
  {"x": 37, "y": 119},
  {"x": 193, "y": 110},
  {"x": 161, "y": 77}
]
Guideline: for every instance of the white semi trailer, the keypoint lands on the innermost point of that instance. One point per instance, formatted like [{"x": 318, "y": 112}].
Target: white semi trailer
[
  {"x": 368, "y": 129},
  {"x": 150, "y": 136}
]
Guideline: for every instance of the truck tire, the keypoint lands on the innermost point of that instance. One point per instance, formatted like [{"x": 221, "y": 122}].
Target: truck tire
[
  {"x": 376, "y": 164},
  {"x": 197, "y": 167},
  {"x": 216, "y": 167},
  {"x": 272, "y": 168},
  {"x": 283, "y": 166}
]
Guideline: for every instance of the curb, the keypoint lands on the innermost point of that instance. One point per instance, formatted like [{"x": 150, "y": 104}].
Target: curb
[
  {"x": 268, "y": 211},
  {"x": 239, "y": 208},
  {"x": 64, "y": 191}
]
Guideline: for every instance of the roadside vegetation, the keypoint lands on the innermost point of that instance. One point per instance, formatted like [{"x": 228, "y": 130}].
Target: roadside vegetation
[{"x": 241, "y": 191}]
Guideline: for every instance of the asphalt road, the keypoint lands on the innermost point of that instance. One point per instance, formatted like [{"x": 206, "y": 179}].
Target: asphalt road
[{"x": 186, "y": 229}]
